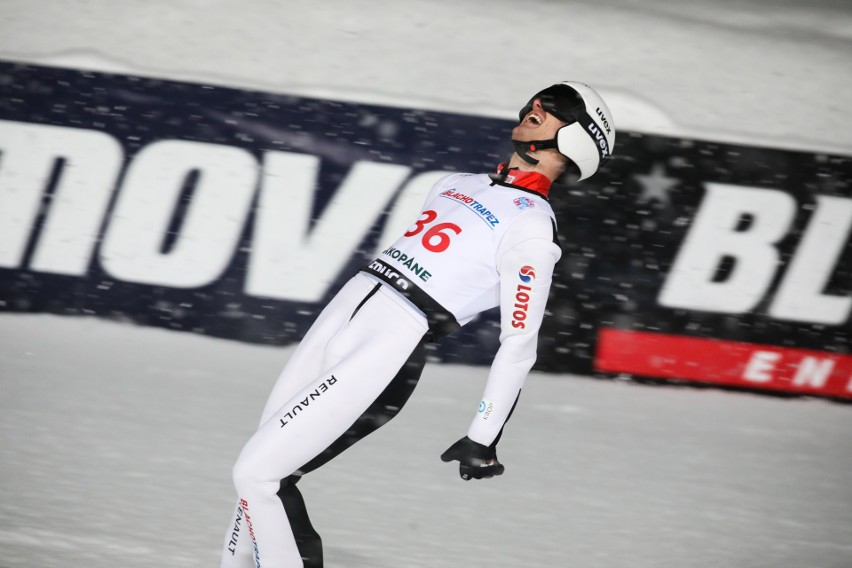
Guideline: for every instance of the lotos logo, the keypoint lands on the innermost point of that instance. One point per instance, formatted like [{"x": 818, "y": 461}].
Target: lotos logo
[
  {"x": 522, "y": 303},
  {"x": 524, "y": 202},
  {"x": 522, "y": 297},
  {"x": 527, "y": 274}
]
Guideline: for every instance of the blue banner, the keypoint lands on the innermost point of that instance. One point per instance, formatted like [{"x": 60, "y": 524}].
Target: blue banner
[{"x": 237, "y": 214}]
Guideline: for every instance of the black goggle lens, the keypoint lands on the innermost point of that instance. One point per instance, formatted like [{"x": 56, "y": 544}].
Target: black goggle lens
[{"x": 559, "y": 100}]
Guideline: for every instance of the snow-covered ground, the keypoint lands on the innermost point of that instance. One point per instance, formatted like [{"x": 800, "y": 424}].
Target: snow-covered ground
[{"x": 116, "y": 442}]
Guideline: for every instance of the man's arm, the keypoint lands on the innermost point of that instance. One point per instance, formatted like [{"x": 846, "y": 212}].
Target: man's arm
[{"x": 525, "y": 262}]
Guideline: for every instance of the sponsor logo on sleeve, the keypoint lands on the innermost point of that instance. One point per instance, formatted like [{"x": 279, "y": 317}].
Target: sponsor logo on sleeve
[
  {"x": 522, "y": 297},
  {"x": 527, "y": 274},
  {"x": 524, "y": 203},
  {"x": 486, "y": 407}
]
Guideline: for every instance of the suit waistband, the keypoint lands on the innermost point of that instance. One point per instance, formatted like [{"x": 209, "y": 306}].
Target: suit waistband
[{"x": 441, "y": 321}]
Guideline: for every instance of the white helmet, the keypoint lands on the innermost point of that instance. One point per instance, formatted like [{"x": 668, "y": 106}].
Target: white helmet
[{"x": 588, "y": 138}]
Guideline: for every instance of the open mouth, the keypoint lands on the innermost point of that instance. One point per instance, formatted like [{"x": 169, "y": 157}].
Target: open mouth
[{"x": 534, "y": 119}]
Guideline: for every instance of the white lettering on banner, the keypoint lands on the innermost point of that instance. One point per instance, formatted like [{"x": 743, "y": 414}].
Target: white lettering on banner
[
  {"x": 714, "y": 236},
  {"x": 295, "y": 257},
  {"x": 760, "y": 366},
  {"x": 285, "y": 251},
  {"x": 92, "y": 161},
  {"x": 813, "y": 372},
  {"x": 132, "y": 248},
  {"x": 800, "y": 296},
  {"x": 212, "y": 225}
]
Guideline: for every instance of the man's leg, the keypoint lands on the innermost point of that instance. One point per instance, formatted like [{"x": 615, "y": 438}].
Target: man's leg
[
  {"x": 309, "y": 358},
  {"x": 383, "y": 409},
  {"x": 307, "y": 538},
  {"x": 237, "y": 552},
  {"x": 366, "y": 354},
  {"x": 303, "y": 366},
  {"x": 388, "y": 405}
]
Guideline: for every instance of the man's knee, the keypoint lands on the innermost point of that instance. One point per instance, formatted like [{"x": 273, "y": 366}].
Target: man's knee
[{"x": 247, "y": 480}]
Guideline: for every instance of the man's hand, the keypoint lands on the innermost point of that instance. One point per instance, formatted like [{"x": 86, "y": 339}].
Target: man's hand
[{"x": 475, "y": 460}]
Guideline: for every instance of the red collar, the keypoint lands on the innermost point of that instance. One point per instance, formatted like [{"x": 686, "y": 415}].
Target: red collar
[{"x": 531, "y": 181}]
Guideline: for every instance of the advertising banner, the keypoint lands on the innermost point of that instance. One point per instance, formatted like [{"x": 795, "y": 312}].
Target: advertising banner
[{"x": 238, "y": 213}]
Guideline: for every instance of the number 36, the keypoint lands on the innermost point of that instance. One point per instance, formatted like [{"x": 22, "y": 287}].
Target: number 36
[{"x": 437, "y": 238}]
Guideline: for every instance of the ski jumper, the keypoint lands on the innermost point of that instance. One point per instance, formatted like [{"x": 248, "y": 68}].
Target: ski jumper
[{"x": 481, "y": 241}]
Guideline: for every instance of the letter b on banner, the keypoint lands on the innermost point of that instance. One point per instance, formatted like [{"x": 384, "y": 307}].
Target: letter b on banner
[{"x": 717, "y": 234}]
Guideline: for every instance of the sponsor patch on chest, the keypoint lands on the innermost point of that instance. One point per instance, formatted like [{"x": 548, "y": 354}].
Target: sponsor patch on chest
[{"x": 472, "y": 205}]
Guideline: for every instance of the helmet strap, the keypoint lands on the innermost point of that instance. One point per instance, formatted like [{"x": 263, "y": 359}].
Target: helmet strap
[{"x": 522, "y": 148}]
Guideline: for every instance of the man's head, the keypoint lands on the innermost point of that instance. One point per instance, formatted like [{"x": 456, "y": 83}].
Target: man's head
[{"x": 565, "y": 125}]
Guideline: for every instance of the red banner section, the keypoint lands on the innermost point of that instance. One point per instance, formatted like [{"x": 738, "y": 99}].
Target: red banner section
[{"x": 730, "y": 363}]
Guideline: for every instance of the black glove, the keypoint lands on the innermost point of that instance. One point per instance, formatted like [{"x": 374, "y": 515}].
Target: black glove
[{"x": 475, "y": 460}]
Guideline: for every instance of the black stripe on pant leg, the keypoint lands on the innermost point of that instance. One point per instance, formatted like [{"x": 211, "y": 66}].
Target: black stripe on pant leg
[
  {"x": 307, "y": 538},
  {"x": 381, "y": 411}
]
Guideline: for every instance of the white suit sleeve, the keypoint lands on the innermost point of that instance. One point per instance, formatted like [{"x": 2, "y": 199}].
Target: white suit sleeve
[{"x": 526, "y": 259}]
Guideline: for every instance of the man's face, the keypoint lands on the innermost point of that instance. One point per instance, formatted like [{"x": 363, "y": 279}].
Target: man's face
[{"x": 538, "y": 124}]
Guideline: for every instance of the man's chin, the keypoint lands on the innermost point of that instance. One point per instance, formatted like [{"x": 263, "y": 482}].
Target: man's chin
[{"x": 526, "y": 134}]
